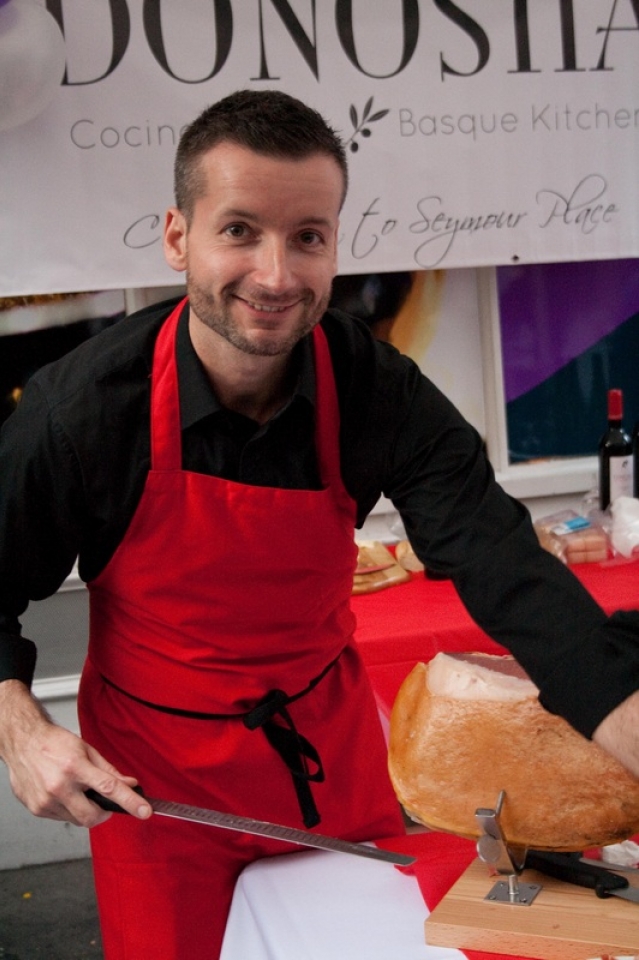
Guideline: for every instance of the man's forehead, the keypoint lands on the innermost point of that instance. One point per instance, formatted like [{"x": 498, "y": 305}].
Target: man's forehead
[
  {"x": 231, "y": 161},
  {"x": 245, "y": 182}
]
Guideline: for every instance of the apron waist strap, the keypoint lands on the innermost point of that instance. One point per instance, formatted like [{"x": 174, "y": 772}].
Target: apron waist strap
[{"x": 295, "y": 750}]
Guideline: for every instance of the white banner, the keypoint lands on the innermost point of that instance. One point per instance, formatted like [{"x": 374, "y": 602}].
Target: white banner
[{"x": 478, "y": 131}]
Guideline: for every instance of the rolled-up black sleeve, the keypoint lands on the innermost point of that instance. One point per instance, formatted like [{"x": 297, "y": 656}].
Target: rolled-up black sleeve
[{"x": 17, "y": 658}]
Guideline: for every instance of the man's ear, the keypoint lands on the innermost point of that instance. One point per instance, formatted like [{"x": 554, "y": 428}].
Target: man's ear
[{"x": 175, "y": 231}]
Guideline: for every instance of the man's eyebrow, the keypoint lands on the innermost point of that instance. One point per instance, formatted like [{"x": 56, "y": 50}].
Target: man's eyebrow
[
  {"x": 240, "y": 214},
  {"x": 317, "y": 222}
]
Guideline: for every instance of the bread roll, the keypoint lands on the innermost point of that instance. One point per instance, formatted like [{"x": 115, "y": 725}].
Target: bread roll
[
  {"x": 407, "y": 558},
  {"x": 465, "y": 727},
  {"x": 572, "y": 538}
]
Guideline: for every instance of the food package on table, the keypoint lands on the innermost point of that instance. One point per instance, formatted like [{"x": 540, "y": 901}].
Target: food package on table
[
  {"x": 407, "y": 558},
  {"x": 573, "y": 538}
]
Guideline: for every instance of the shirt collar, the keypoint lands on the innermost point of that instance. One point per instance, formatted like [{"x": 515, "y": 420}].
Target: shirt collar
[{"x": 197, "y": 399}]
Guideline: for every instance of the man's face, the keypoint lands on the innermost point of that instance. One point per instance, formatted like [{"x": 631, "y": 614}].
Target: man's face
[{"x": 260, "y": 252}]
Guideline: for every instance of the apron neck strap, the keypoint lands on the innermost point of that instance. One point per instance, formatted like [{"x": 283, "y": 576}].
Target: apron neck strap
[{"x": 166, "y": 437}]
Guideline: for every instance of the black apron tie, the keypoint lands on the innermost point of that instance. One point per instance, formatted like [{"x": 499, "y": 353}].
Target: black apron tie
[{"x": 294, "y": 749}]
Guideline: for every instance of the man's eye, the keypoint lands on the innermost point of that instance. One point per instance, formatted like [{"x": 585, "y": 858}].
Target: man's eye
[
  {"x": 236, "y": 230},
  {"x": 310, "y": 238}
]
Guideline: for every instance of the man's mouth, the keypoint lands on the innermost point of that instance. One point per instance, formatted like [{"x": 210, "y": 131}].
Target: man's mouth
[{"x": 268, "y": 308}]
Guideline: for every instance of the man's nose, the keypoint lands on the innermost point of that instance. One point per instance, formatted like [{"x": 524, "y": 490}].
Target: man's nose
[{"x": 274, "y": 266}]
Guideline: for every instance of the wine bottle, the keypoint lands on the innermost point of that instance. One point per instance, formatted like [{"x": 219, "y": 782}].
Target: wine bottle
[{"x": 616, "y": 468}]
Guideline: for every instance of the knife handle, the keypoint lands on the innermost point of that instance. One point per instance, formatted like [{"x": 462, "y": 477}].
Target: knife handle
[
  {"x": 563, "y": 866},
  {"x": 105, "y": 804}
]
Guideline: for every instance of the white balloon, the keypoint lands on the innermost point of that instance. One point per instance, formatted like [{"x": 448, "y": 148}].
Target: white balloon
[{"x": 32, "y": 61}]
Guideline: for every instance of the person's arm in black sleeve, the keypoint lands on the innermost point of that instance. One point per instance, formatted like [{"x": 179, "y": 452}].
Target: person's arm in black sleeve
[
  {"x": 17, "y": 654},
  {"x": 462, "y": 525},
  {"x": 41, "y": 515},
  {"x": 37, "y": 545},
  {"x": 41, "y": 504}
]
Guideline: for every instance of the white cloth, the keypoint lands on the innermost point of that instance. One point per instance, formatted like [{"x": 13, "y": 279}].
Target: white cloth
[{"x": 318, "y": 905}]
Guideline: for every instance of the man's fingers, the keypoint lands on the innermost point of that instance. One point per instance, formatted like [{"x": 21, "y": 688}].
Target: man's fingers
[
  {"x": 113, "y": 791},
  {"x": 141, "y": 809}
]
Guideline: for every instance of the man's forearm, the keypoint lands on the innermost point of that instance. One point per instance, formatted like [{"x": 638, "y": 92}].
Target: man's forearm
[
  {"x": 618, "y": 733},
  {"x": 20, "y": 715}
]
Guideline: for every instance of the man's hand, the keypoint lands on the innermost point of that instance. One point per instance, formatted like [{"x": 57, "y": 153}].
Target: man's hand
[
  {"x": 50, "y": 767},
  {"x": 618, "y": 733}
]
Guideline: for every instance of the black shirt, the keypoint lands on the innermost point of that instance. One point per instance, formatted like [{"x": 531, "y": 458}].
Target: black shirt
[{"x": 75, "y": 454}]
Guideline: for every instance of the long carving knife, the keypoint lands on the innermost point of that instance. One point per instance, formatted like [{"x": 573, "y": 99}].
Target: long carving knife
[{"x": 261, "y": 828}]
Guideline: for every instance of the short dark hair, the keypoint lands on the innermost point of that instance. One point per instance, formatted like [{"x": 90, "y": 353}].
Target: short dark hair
[{"x": 266, "y": 121}]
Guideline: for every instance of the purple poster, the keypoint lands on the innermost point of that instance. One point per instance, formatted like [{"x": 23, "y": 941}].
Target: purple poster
[{"x": 570, "y": 332}]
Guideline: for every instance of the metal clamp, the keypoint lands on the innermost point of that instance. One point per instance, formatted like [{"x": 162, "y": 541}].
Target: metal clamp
[{"x": 505, "y": 858}]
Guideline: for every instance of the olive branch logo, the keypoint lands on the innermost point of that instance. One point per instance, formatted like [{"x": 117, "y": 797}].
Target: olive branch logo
[{"x": 361, "y": 127}]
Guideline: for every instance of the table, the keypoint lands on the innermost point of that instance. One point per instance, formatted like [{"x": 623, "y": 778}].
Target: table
[{"x": 329, "y": 906}]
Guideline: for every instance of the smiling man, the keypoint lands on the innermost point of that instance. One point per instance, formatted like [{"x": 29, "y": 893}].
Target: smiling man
[
  {"x": 207, "y": 461},
  {"x": 259, "y": 248}
]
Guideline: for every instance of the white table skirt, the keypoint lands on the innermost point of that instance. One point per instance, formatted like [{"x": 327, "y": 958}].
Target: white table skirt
[{"x": 317, "y": 905}]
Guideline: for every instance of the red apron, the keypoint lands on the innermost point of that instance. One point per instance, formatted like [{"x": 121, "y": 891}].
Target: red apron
[{"x": 225, "y": 599}]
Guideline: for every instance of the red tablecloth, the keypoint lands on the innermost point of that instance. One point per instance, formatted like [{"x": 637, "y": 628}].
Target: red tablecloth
[{"x": 402, "y": 625}]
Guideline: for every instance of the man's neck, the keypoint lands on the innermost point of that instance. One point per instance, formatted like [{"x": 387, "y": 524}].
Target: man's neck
[{"x": 255, "y": 386}]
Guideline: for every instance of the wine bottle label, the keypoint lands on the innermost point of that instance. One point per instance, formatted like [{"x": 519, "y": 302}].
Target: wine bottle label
[{"x": 621, "y": 477}]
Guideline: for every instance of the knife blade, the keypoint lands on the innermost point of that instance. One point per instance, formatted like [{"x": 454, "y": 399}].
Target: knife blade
[
  {"x": 565, "y": 866},
  {"x": 261, "y": 828}
]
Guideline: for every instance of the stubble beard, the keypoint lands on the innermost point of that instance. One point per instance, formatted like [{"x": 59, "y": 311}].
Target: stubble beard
[{"x": 216, "y": 314}]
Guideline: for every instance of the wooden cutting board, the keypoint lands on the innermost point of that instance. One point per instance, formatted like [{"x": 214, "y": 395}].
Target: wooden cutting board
[{"x": 564, "y": 922}]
